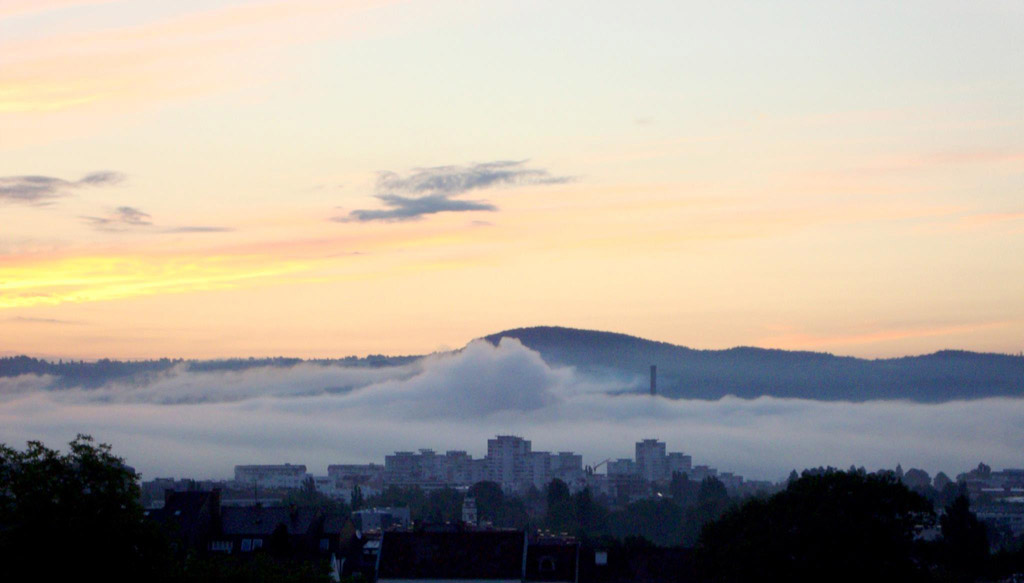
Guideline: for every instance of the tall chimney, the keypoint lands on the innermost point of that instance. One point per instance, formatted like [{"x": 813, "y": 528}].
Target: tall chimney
[{"x": 654, "y": 380}]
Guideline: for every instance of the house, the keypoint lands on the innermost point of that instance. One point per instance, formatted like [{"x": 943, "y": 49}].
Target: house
[
  {"x": 191, "y": 519},
  {"x": 552, "y": 560},
  {"x": 292, "y": 531},
  {"x": 381, "y": 518}
]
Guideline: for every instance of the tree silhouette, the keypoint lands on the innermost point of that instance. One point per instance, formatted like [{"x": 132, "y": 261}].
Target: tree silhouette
[
  {"x": 965, "y": 541},
  {"x": 826, "y": 526},
  {"x": 560, "y": 516},
  {"x": 357, "y": 498},
  {"x": 87, "y": 494}
]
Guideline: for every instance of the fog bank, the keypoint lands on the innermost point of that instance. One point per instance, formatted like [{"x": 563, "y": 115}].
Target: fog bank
[{"x": 200, "y": 424}]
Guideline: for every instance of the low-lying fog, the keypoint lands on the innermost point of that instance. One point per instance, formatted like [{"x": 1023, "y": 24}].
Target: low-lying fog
[{"x": 190, "y": 424}]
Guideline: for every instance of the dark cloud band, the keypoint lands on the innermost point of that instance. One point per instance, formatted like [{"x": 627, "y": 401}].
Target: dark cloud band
[
  {"x": 43, "y": 189},
  {"x": 122, "y": 217},
  {"x": 427, "y": 191}
]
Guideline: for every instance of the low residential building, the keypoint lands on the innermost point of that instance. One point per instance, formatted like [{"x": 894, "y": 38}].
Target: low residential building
[
  {"x": 291, "y": 530},
  {"x": 190, "y": 519},
  {"x": 380, "y": 519},
  {"x": 270, "y": 476}
]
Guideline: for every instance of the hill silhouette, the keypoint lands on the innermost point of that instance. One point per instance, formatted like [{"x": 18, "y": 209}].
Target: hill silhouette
[
  {"x": 683, "y": 372},
  {"x": 754, "y": 372}
]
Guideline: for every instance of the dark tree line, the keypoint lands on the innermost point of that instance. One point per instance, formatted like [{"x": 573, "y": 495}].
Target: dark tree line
[
  {"x": 91, "y": 374},
  {"x": 671, "y": 520},
  {"x": 829, "y": 525},
  {"x": 76, "y": 516},
  {"x": 74, "y": 513}
]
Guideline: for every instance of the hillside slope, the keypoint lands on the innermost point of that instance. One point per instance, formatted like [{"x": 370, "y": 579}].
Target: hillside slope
[{"x": 754, "y": 372}]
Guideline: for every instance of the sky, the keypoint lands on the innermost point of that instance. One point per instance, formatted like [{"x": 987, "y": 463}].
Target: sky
[{"x": 319, "y": 178}]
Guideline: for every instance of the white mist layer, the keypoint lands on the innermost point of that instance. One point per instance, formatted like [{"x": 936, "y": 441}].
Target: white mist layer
[{"x": 200, "y": 424}]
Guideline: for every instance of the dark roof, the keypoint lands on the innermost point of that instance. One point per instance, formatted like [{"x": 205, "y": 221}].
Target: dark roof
[
  {"x": 185, "y": 511},
  {"x": 551, "y": 561},
  {"x": 186, "y": 503},
  {"x": 252, "y": 520},
  {"x": 452, "y": 555},
  {"x": 637, "y": 564},
  {"x": 334, "y": 523}
]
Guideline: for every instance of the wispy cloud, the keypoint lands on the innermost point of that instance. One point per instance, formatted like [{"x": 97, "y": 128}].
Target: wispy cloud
[
  {"x": 39, "y": 190},
  {"x": 30, "y": 320},
  {"x": 122, "y": 217},
  {"x": 427, "y": 191},
  {"x": 197, "y": 229},
  {"x": 404, "y": 208},
  {"x": 125, "y": 218}
]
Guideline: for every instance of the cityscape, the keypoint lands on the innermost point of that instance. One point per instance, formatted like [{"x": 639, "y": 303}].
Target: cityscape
[
  {"x": 443, "y": 502},
  {"x": 586, "y": 291},
  {"x": 510, "y": 462}
]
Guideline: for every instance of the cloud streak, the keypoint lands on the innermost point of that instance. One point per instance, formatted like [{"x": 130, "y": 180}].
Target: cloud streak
[
  {"x": 427, "y": 191},
  {"x": 111, "y": 277},
  {"x": 128, "y": 217},
  {"x": 331, "y": 414},
  {"x": 30, "y": 320},
  {"x": 41, "y": 190},
  {"x": 122, "y": 217},
  {"x": 198, "y": 229}
]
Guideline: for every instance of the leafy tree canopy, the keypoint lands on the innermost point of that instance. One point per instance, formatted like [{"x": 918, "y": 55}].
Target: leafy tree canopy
[
  {"x": 827, "y": 525},
  {"x": 74, "y": 512}
]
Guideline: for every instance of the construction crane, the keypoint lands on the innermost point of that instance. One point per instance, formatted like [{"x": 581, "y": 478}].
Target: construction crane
[{"x": 591, "y": 470}]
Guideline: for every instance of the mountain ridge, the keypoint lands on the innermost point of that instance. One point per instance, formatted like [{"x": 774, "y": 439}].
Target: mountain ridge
[
  {"x": 683, "y": 372},
  {"x": 752, "y": 372}
]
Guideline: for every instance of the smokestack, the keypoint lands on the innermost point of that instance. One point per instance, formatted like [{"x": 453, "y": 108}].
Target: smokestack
[{"x": 654, "y": 380}]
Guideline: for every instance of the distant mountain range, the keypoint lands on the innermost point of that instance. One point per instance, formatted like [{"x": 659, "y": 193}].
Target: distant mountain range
[
  {"x": 754, "y": 372},
  {"x": 682, "y": 372}
]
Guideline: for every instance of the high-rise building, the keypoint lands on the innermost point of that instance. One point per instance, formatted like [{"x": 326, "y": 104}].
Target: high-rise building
[
  {"x": 402, "y": 468},
  {"x": 650, "y": 460},
  {"x": 621, "y": 467},
  {"x": 677, "y": 462},
  {"x": 540, "y": 469},
  {"x": 458, "y": 468},
  {"x": 427, "y": 469},
  {"x": 508, "y": 459},
  {"x": 568, "y": 467},
  {"x": 371, "y": 475},
  {"x": 509, "y": 462}
]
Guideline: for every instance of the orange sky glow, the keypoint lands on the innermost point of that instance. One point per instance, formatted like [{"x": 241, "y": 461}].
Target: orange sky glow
[{"x": 318, "y": 178}]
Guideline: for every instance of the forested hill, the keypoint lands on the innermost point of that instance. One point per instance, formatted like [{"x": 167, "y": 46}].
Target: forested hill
[
  {"x": 754, "y": 372},
  {"x": 77, "y": 373},
  {"x": 682, "y": 372}
]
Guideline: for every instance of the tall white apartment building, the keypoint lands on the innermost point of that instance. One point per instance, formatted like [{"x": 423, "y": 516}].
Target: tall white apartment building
[
  {"x": 622, "y": 467},
  {"x": 677, "y": 462},
  {"x": 540, "y": 469},
  {"x": 651, "y": 461},
  {"x": 509, "y": 461}
]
